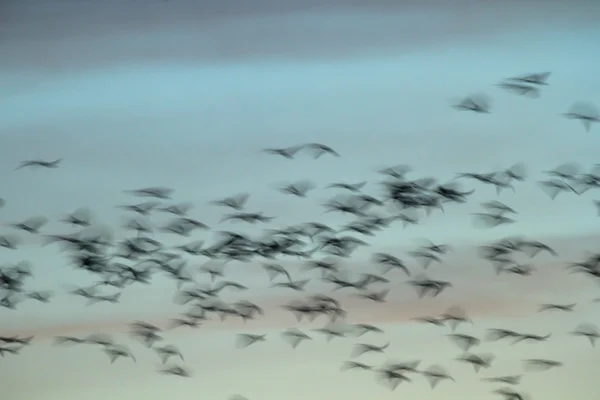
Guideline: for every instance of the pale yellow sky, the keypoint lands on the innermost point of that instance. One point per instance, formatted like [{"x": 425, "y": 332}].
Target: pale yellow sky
[{"x": 273, "y": 370}]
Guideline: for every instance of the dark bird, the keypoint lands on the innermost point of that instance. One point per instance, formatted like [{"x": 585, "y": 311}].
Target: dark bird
[
  {"x": 539, "y": 364},
  {"x": 585, "y": 112},
  {"x": 288, "y": 152},
  {"x": 477, "y": 361},
  {"x": 40, "y": 164},
  {"x": 298, "y": 189},
  {"x": 317, "y": 150},
  {"x": 435, "y": 374},
  {"x": 157, "y": 192},
  {"x": 589, "y": 331},
  {"x": 167, "y": 352},
  {"x": 520, "y": 88},
  {"x": 534, "y": 79},
  {"x": 115, "y": 352},
  {"x": 509, "y": 380},
  {"x": 245, "y": 340},
  {"x": 363, "y": 348},
  {"x": 176, "y": 370},
  {"x": 478, "y": 103},
  {"x": 464, "y": 342},
  {"x": 557, "y": 307},
  {"x": 352, "y": 187},
  {"x": 347, "y": 365},
  {"x": 236, "y": 202},
  {"x": 295, "y": 337}
]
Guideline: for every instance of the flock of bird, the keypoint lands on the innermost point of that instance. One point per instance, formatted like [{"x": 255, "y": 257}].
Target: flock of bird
[{"x": 403, "y": 200}]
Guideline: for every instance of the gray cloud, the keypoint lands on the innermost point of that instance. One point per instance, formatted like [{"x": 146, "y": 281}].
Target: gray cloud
[{"x": 71, "y": 35}]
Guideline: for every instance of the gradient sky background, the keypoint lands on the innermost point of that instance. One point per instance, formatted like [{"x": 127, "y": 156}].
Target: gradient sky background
[{"x": 185, "y": 93}]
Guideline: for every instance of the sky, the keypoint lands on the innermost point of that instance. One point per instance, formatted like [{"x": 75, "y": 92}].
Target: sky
[{"x": 185, "y": 94}]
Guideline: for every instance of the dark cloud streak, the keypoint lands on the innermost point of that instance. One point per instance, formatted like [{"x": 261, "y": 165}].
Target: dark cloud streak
[{"x": 73, "y": 35}]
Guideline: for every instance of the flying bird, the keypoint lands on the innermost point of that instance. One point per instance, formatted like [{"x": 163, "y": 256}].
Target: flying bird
[{"x": 40, "y": 164}]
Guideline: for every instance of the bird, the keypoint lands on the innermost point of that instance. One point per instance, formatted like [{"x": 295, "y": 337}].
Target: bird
[{"x": 40, "y": 164}]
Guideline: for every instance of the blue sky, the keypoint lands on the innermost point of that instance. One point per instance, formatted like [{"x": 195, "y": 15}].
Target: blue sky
[{"x": 185, "y": 94}]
